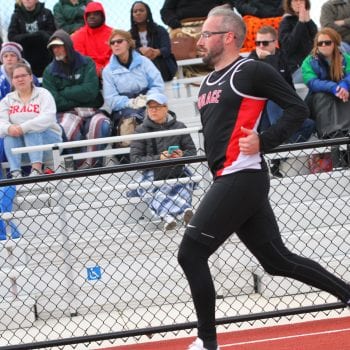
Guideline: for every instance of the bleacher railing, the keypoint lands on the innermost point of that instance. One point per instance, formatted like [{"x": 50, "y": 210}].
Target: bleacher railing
[{"x": 82, "y": 260}]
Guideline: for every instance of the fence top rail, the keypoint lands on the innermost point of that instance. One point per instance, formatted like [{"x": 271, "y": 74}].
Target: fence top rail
[{"x": 105, "y": 140}]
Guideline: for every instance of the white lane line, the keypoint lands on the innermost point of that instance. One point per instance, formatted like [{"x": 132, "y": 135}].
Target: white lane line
[{"x": 287, "y": 337}]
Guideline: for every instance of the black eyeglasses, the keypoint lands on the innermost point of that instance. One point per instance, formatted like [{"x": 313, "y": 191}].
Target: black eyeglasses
[
  {"x": 324, "y": 43},
  {"x": 263, "y": 42},
  {"x": 206, "y": 35},
  {"x": 116, "y": 41}
]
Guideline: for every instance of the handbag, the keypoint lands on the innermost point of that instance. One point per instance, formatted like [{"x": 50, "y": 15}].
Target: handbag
[
  {"x": 183, "y": 47},
  {"x": 320, "y": 163},
  {"x": 332, "y": 116}
]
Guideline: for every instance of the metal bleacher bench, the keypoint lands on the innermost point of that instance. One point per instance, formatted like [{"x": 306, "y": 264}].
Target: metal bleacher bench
[{"x": 59, "y": 159}]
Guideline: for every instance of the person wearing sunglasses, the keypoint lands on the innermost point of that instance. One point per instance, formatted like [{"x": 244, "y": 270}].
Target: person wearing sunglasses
[
  {"x": 326, "y": 72},
  {"x": 267, "y": 51},
  {"x": 168, "y": 202},
  {"x": 296, "y": 34},
  {"x": 127, "y": 80},
  {"x": 231, "y": 100}
]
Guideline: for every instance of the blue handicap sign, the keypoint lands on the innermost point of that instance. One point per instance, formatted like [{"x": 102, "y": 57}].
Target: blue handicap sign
[{"x": 94, "y": 273}]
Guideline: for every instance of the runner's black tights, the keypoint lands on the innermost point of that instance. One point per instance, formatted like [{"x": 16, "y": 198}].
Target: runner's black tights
[
  {"x": 239, "y": 203},
  {"x": 275, "y": 258}
]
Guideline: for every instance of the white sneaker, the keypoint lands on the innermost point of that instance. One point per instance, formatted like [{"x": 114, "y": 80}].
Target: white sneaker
[
  {"x": 16, "y": 174},
  {"x": 188, "y": 213},
  {"x": 198, "y": 345},
  {"x": 35, "y": 172},
  {"x": 170, "y": 223}
]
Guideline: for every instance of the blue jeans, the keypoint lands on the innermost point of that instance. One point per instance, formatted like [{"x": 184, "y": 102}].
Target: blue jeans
[
  {"x": 273, "y": 112},
  {"x": 30, "y": 139},
  {"x": 298, "y": 76}
]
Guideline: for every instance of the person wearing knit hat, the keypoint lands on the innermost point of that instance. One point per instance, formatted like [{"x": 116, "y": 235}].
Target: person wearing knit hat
[
  {"x": 10, "y": 55},
  {"x": 11, "y": 47}
]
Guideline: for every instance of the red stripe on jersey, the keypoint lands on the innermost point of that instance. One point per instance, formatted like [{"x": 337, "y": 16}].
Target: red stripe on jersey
[{"x": 248, "y": 114}]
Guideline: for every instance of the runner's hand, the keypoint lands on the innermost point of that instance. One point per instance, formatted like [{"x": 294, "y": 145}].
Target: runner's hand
[{"x": 250, "y": 143}]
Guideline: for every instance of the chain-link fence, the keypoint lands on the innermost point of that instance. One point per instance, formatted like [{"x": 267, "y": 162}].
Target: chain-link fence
[{"x": 83, "y": 258}]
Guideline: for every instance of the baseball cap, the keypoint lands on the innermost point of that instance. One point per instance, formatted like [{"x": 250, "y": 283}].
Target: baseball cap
[
  {"x": 55, "y": 41},
  {"x": 157, "y": 97}
]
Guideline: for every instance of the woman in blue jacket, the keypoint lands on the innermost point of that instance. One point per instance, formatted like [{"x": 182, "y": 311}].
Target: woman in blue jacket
[{"x": 127, "y": 80}]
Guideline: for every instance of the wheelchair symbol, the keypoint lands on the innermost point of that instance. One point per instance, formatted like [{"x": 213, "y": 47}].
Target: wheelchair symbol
[{"x": 94, "y": 273}]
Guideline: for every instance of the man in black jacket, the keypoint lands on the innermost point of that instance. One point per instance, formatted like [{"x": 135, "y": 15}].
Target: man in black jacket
[
  {"x": 173, "y": 11},
  {"x": 267, "y": 51},
  {"x": 259, "y": 8}
]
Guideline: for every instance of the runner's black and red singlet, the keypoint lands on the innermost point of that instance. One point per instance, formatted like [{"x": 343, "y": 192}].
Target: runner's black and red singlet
[{"x": 236, "y": 96}]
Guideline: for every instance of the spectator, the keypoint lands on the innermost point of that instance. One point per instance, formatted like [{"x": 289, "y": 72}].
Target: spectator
[
  {"x": 185, "y": 19},
  {"x": 296, "y": 34},
  {"x": 268, "y": 52},
  {"x": 28, "y": 118},
  {"x": 127, "y": 79},
  {"x": 152, "y": 40},
  {"x": 326, "y": 71},
  {"x": 73, "y": 82},
  {"x": 259, "y": 8},
  {"x": 31, "y": 26},
  {"x": 336, "y": 15},
  {"x": 69, "y": 14},
  {"x": 92, "y": 39},
  {"x": 175, "y": 13},
  {"x": 166, "y": 201},
  {"x": 10, "y": 55}
]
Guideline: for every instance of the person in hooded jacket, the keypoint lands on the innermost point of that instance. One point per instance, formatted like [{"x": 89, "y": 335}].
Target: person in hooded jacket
[
  {"x": 166, "y": 201},
  {"x": 69, "y": 14},
  {"x": 72, "y": 80},
  {"x": 31, "y": 26},
  {"x": 92, "y": 39}
]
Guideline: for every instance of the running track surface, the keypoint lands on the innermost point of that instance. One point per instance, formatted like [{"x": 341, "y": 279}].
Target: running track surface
[{"x": 330, "y": 334}]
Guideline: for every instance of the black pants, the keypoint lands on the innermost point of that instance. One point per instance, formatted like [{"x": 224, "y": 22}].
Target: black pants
[{"x": 239, "y": 203}]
